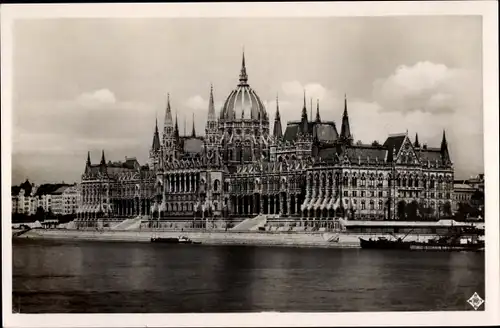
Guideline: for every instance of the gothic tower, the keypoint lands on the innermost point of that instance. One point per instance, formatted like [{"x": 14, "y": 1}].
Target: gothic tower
[
  {"x": 212, "y": 128},
  {"x": 170, "y": 135},
  {"x": 155, "y": 151}
]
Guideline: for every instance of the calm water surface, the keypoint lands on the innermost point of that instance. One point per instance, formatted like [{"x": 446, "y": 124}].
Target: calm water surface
[{"x": 89, "y": 277}]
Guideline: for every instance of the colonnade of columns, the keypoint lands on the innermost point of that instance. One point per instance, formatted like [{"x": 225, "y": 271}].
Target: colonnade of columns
[
  {"x": 281, "y": 203},
  {"x": 121, "y": 208},
  {"x": 182, "y": 182}
]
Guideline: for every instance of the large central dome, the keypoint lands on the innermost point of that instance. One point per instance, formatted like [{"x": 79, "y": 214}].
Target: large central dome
[{"x": 243, "y": 103}]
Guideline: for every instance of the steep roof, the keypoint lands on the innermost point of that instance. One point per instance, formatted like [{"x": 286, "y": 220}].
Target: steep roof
[
  {"x": 60, "y": 190},
  {"x": 192, "y": 144},
  {"x": 366, "y": 154},
  {"x": 394, "y": 141},
  {"x": 291, "y": 132},
  {"x": 325, "y": 131},
  {"x": 430, "y": 154},
  {"x": 49, "y": 188}
]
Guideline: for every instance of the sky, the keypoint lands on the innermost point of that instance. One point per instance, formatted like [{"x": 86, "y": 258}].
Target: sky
[{"x": 99, "y": 84}]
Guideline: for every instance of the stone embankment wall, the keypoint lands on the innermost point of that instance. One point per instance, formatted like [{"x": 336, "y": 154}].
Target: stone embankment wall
[{"x": 318, "y": 239}]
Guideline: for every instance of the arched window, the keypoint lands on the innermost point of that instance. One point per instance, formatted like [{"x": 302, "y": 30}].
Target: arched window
[
  {"x": 354, "y": 181},
  {"x": 410, "y": 181},
  {"x": 380, "y": 205},
  {"x": 346, "y": 181},
  {"x": 363, "y": 181},
  {"x": 372, "y": 205},
  {"x": 372, "y": 181},
  {"x": 216, "y": 185}
]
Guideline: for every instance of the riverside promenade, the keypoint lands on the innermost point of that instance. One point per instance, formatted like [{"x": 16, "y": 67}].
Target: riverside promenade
[{"x": 303, "y": 239}]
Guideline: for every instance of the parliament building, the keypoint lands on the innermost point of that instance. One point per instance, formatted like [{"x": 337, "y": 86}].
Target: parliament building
[{"x": 245, "y": 165}]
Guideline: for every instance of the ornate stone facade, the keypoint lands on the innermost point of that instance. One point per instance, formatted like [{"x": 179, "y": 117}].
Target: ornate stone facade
[{"x": 238, "y": 169}]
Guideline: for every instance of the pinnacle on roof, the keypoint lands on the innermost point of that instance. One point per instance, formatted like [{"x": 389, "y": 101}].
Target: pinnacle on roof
[
  {"x": 211, "y": 107},
  {"x": 345, "y": 131},
  {"x": 193, "y": 131},
  {"x": 103, "y": 159},
  {"x": 318, "y": 118},
  {"x": 168, "y": 114},
  {"x": 176, "y": 128},
  {"x": 88, "y": 158},
  {"x": 417, "y": 143},
  {"x": 277, "y": 130},
  {"x": 444, "y": 148},
  {"x": 156, "y": 138}
]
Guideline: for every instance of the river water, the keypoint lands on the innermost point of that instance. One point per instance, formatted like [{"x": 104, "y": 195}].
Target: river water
[{"x": 119, "y": 277}]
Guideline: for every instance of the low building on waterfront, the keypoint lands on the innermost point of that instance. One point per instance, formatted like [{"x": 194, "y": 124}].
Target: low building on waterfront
[
  {"x": 469, "y": 197},
  {"x": 23, "y": 198},
  {"x": 29, "y": 199},
  {"x": 310, "y": 172}
]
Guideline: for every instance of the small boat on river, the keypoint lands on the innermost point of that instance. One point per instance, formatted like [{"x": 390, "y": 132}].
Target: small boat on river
[
  {"x": 384, "y": 243},
  {"x": 174, "y": 240}
]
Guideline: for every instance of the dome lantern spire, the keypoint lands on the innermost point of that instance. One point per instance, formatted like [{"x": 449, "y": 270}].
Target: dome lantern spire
[{"x": 243, "y": 72}]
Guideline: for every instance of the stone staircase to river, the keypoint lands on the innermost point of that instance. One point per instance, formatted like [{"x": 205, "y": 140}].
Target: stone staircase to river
[{"x": 252, "y": 224}]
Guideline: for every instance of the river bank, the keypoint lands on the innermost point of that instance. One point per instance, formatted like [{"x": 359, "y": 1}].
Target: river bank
[{"x": 305, "y": 239}]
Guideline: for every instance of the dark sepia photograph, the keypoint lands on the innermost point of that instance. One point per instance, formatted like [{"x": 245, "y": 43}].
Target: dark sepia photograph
[{"x": 229, "y": 164}]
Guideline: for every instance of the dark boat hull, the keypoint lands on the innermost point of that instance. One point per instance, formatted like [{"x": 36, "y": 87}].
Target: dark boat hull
[
  {"x": 174, "y": 241},
  {"x": 384, "y": 244},
  {"x": 165, "y": 240}
]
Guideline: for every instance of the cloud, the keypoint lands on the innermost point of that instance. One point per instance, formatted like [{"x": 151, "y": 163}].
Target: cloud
[
  {"x": 96, "y": 98},
  {"x": 198, "y": 106},
  {"x": 459, "y": 114},
  {"x": 424, "y": 87},
  {"x": 65, "y": 130}
]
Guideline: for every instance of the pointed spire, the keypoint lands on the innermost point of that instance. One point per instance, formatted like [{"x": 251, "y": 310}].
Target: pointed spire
[
  {"x": 303, "y": 121},
  {"x": 156, "y": 138},
  {"x": 311, "y": 109},
  {"x": 318, "y": 118},
  {"x": 444, "y": 143},
  {"x": 345, "y": 131},
  {"x": 277, "y": 108},
  {"x": 243, "y": 72},
  {"x": 176, "y": 128},
  {"x": 211, "y": 107},
  {"x": 88, "y": 158},
  {"x": 277, "y": 130},
  {"x": 416, "y": 144},
  {"x": 193, "y": 131},
  {"x": 168, "y": 115},
  {"x": 304, "y": 109},
  {"x": 103, "y": 159}
]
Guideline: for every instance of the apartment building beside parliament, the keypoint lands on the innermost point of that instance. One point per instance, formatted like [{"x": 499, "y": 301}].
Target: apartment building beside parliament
[{"x": 242, "y": 167}]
